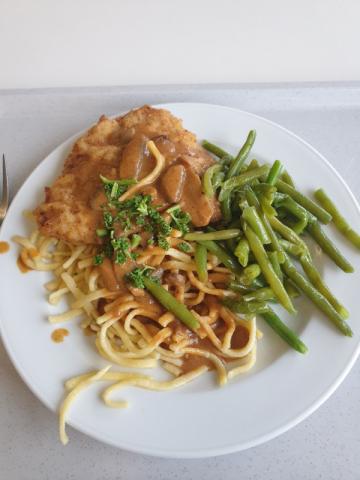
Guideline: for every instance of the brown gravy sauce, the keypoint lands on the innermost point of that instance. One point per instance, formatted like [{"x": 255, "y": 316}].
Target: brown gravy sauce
[
  {"x": 180, "y": 179},
  {"x": 4, "y": 247},
  {"x": 32, "y": 252},
  {"x": 59, "y": 334},
  {"x": 21, "y": 265},
  {"x": 190, "y": 362},
  {"x": 29, "y": 252},
  {"x": 88, "y": 332}
]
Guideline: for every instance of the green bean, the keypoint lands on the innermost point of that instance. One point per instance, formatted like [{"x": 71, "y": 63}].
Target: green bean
[
  {"x": 266, "y": 190},
  {"x": 267, "y": 269},
  {"x": 260, "y": 295},
  {"x": 123, "y": 182},
  {"x": 245, "y": 308},
  {"x": 257, "y": 291},
  {"x": 281, "y": 256},
  {"x": 249, "y": 274},
  {"x": 241, "y": 180},
  {"x": 242, "y": 252},
  {"x": 207, "y": 184},
  {"x": 201, "y": 262},
  {"x": 225, "y": 206},
  {"x": 225, "y": 258},
  {"x": 242, "y": 202},
  {"x": 101, "y": 232},
  {"x": 252, "y": 271},
  {"x": 316, "y": 297},
  {"x": 217, "y": 180},
  {"x": 253, "y": 164},
  {"x": 292, "y": 290},
  {"x": 293, "y": 207},
  {"x": 339, "y": 221},
  {"x": 239, "y": 287},
  {"x": 236, "y": 182},
  {"x": 273, "y": 257},
  {"x": 266, "y": 206},
  {"x": 292, "y": 248},
  {"x": 240, "y": 158},
  {"x": 171, "y": 304},
  {"x": 286, "y": 177},
  {"x": 251, "y": 216},
  {"x": 222, "y": 244},
  {"x": 305, "y": 202},
  {"x": 298, "y": 226},
  {"x": 217, "y": 235},
  {"x": 284, "y": 331},
  {"x": 251, "y": 198},
  {"x": 282, "y": 213},
  {"x": 232, "y": 242},
  {"x": 274, "y": 173},
  {"x": 217, "y": 151},
  {"x": 259, "y": 282},
  {"x": 254, "y": 202},
  {"x": 328, "y": 247},
  {"x": 287, "y": 233},
  {"x": 315, "y": 278}
]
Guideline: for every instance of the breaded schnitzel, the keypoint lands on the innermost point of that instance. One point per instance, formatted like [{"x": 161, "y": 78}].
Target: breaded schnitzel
[{"x": 116, "y": 149}]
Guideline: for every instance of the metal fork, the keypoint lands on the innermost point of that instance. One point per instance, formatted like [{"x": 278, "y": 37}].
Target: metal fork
[{"x": 4, "y": 203}]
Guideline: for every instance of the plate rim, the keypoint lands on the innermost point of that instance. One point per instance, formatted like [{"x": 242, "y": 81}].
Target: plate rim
[{"x": 213, "y": 451}]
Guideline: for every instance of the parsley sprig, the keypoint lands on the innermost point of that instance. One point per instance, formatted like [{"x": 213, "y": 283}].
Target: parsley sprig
[
  {"x": 184, "y": 247},
  {"x": 136, "y": 277},
  {"x": 115, "y": 188},
  {"x": 179, "y": 219}
]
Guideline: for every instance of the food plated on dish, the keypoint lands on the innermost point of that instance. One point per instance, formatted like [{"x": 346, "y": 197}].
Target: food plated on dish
[
  {"x": 281, "y": 389},
  {"x": 170, "y": 250}
]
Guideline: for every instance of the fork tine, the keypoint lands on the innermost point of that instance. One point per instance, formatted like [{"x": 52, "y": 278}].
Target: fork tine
[{"x": 5, "y": 188}]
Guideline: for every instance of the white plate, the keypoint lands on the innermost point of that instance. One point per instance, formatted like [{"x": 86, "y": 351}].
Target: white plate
[{"x": 201, "y": 419}]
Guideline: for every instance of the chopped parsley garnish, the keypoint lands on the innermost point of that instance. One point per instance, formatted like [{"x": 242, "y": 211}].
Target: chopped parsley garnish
[
  {"x": 137, "y": 211},
  {"x": 136, "y": 277},
  {"x": 120, "y": 257},
  {"x": 108, "y": 220},
  {"x": 121, "y": 246},
  {"x": 162, "y": 242},
  {"x": 98, "y": 259},
  {"x": 143, "y": 207},
  {"x": 115, "y": 188},
  {"x": 179, "y": 219},
  {"x": 114, "y": 193},
  {"x": 101, "y": 232},
  {"x": 135, "y": 240},
  {"x": 120, "y": 243},
  {"x": 184, "y": 247}
]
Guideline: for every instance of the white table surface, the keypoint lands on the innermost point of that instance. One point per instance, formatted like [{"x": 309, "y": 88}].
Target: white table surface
[
  {"x": 119, "y": 42},
  {"x": 324, "y": 446}
]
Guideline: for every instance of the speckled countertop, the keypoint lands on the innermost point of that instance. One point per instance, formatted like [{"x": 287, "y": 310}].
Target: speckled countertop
[{"x": 324, "y": 446}]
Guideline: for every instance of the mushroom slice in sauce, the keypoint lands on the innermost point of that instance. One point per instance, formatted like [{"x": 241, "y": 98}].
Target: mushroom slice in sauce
[
  {"x": 114, "y": 275},
  {"x": 172, "y": 182},
  {"x": 194, "y": 202},
  {"x": 132, "y": 158},
  {"x": 166, "y": 148}
]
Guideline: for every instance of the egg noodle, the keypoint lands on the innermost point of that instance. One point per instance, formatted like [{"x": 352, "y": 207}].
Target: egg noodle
[{"x": 141, "y": 335}]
